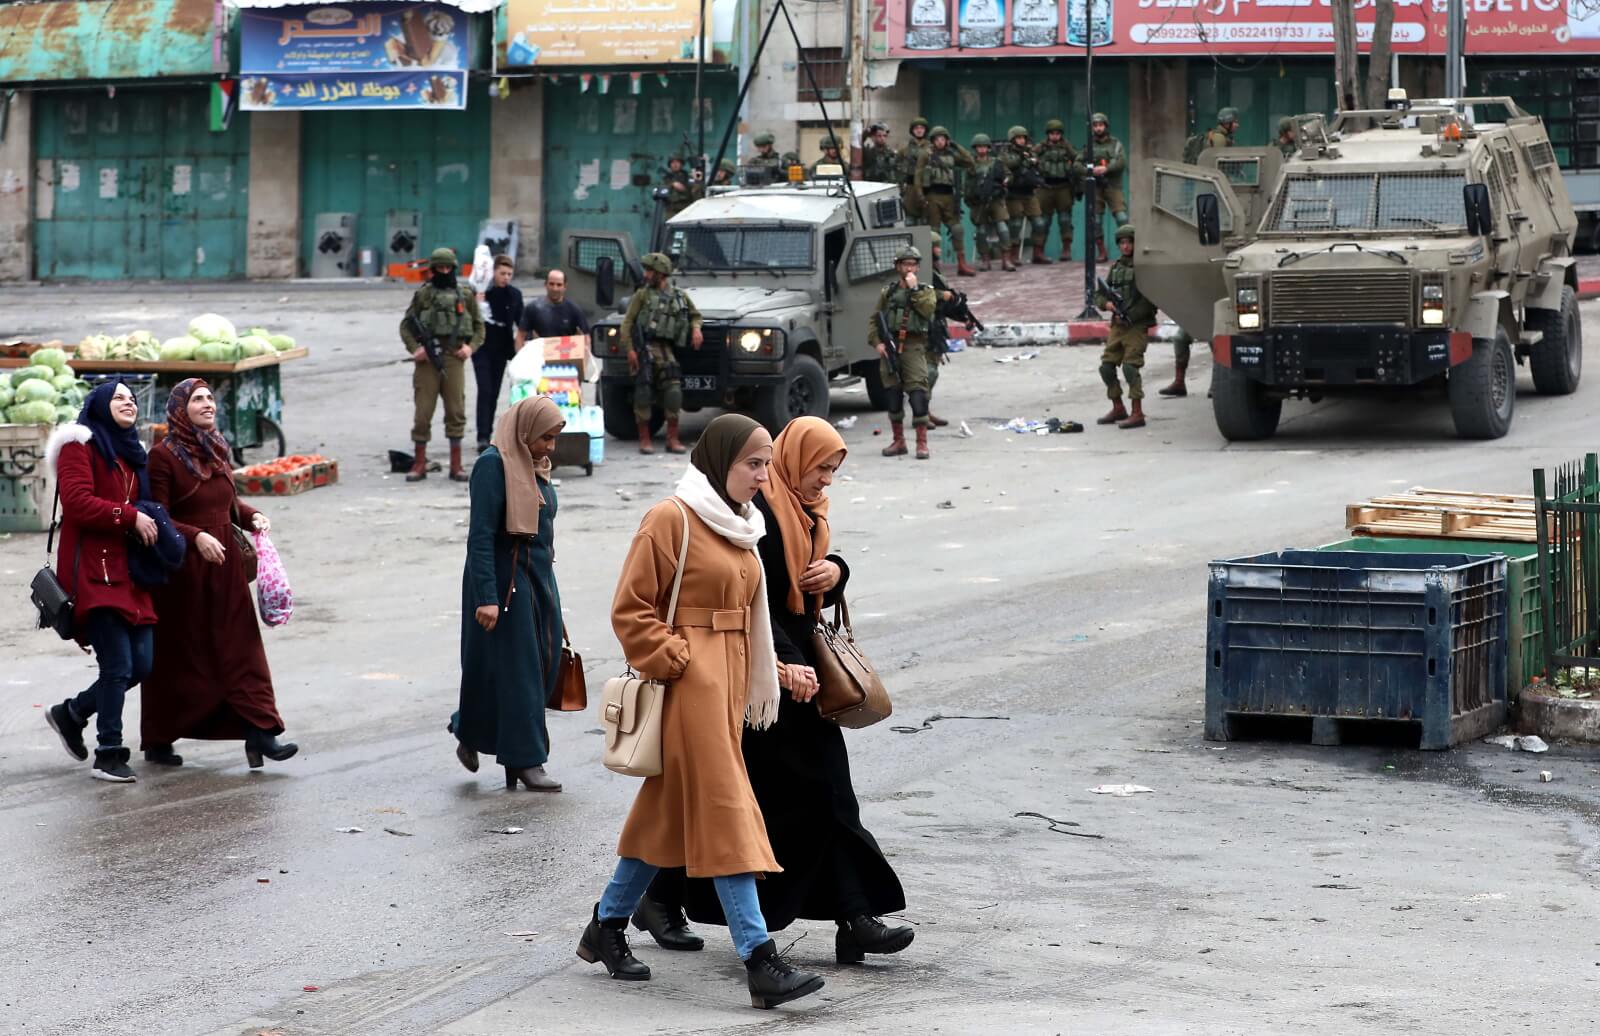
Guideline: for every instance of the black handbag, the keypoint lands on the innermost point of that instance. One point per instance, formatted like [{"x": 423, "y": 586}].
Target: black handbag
[{"x": 47, "y": 593}]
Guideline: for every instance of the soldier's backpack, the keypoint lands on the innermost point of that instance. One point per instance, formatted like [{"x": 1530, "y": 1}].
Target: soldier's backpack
[{"x": 1192, "y": 148}]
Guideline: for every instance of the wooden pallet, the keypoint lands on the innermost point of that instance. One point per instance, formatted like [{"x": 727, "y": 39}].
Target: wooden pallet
[{"x": 1445, "y": 514}]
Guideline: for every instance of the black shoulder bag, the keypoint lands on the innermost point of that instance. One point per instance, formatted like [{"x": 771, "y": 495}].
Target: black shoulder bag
[{"x": 46, "y": 592}]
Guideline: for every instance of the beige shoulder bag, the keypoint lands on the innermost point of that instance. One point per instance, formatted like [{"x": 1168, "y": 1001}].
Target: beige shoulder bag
[{"x": 630, "y": 707}]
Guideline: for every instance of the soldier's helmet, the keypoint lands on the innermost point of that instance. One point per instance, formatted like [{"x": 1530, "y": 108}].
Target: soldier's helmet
[
  {"x": 981, "y": 140},
  {"x": 443, "y": 257},
  {"x": 909, "y": 252},
  {"x": 919, "y": 121},
  {"x": 1055, "y": 126},
  {"x": 830, "y": 141},
  {"x": 1016, "y": 131},
  {"x": 1125, "y": 232},
  {"x": 876, "y": 126},
  {"x": 657, "y": 262},
  {"x": 1285, "y": 124},
  {"x": 727, "y": 166},
  {"x": 764, "y": 139},
  {"x": 1100, "y": 117},
  {"x": 674, "y": 158},
  {"x": 1227, "y": 115},
  {"x": 938, "y": 131}
]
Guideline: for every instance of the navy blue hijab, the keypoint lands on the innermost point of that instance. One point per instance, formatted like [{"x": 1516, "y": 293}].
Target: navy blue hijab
[{"x": 111, "y": 439}]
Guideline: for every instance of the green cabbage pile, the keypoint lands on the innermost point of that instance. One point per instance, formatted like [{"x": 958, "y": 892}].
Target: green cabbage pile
[{"x": 47, "y": 391}]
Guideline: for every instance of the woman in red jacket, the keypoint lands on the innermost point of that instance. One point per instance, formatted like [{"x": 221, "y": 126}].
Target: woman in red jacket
[{"x": 99, "y": 465}]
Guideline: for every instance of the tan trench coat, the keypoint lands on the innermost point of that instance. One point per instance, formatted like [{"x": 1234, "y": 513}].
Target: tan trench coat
[{"x": 700, "y": 813}]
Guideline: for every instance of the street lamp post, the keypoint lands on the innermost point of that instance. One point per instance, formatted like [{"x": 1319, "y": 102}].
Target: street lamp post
[{"x": 1090, "y": 227}]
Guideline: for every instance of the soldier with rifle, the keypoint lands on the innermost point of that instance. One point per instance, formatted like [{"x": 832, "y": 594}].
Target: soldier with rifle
[
  {"x": 1063, "y": 173},
  {"x": 683, "y": 186},
  {"x": 899, "y": 331},
  {"x": 1023, "y": 181},
  {"x": 660, "y": 321},
  {"x": 441, "y": 328},
  {"x": 938, "y": 172},
  {"x": 1128, "y": 337},
  {"x": 986, "y": 200},
  {"x": 879, "y": 163}
]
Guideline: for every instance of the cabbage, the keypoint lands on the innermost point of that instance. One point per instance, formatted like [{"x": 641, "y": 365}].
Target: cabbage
[
  {"x": 36, "y": 412},
  {"x": 147, "y": 351},
  {"x": 33, "y": 373},
  {"x": 5, "y": 379},
  {"x": 136, "y": 338},
  {"x": 117, "y": 348},
  {"x": 253, "y": 345},
  {"x": 259, "y": 332},
  {"x": 180, "y": 348},
  {"x": 62, "y": 382},
  {"x": 65, "y": 413},
  {"x": 55, "y": 359},
  {"x": 217, "y": 352},
  {"x": 93, "y": 347},
  {"x": 6, "y": 399},
  {"x": 282, "y": 343},
  {"x": 208, "y": 327},
  {"x": 36, "y": 389}
]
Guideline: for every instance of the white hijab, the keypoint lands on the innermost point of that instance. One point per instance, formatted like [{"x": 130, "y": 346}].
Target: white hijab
[{"x": 742, "y": 530}]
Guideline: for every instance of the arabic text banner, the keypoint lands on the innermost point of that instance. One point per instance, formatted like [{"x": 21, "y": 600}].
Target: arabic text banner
[
  {"x": 358, "y": 37},
  {"x": 600, "y": 32},
  {"x": 440, "y": 91}
]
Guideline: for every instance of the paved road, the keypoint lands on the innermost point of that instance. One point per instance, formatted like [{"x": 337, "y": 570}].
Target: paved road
[{"x": 1263, "y": 888}]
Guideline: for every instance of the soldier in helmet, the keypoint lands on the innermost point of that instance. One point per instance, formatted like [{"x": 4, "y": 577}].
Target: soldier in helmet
[
  {"x": 830, "y": 155},
  {"x": 1221, "y": 135},
  {"x": 1128, "y": 337},
  {"x": 683, "y": 186},
  {"x": 1023, "y": 181},
  {"x": 726, "y": 171},
  {"x": 1062, "y": 171},
  {"x": 908, "y": 307},
  {"x": 986, "y": 201},
  {"x": 765, "y": 157},
  {"x": 938, "y": 170},
  {"x": 1288, "y": 136},
  {"x": 1107, "y": 161},
  {"x": 669, "y": 321},
  {"x": 910, "y": 155},
  {"x": 445, "y": 311},
  {"x": 879, "y": 163}
]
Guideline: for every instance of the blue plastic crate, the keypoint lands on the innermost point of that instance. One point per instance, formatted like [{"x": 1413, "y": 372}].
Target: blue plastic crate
[{"x": 1350, "y": 635}]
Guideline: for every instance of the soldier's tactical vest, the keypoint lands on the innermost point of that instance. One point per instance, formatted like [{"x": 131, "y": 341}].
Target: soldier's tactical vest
[
  {"x": 881, "y": 165},
  {"x": 1055, "y": 161},
  {"x": 940, "y": 169},
  {"x": 978, "y": 191},
  {"x": 665, "y": 314},
  {"x": 896, "y": 304},
  {"x": 1106, "y": 151},
  {"x": 908, "y": 159},
  {"x": 1141, "y": 311},
  {"x": 445, "y": 314},
  {"x": 760, "y": 161}
]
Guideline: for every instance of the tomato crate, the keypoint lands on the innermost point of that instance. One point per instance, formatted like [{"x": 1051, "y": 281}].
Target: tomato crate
[{"x": 297, "y": 480}]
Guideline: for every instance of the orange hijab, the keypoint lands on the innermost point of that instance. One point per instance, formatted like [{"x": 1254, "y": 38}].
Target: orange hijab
[{"x": 803, "y": 444}]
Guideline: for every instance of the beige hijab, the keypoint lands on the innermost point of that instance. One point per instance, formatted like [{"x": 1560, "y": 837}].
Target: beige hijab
[{"x": 519, "y": 428}]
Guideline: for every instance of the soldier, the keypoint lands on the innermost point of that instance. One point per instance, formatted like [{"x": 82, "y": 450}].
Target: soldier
[
  {"x": 1127, "y": 338},
  {"x": 986, "y": 201},
  {"x": 683, "y": 187},
  {"x": 1022, "y": 201},
  {"x": 879, "y": 163},
  {"x": 1221, "y": 135},
  {"x": 1062, "y": 171},
  {"x": 910, "y": 155},
  {"x": 830, "y": 154},
  {"x": 1288, "y": 136},
  {"x": 726, "y": 171},
  {"x": 446, "y": 312},
  {"x": 1107, "y": 160},
  {"x": 669, "y": 321},
  {"x": 908, "y": 308},
  {"x": 765, "y": 157},
  {"x": 938, "y": 169}
]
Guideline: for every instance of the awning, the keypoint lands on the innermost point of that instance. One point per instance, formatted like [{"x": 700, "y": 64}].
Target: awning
[
  {"x": 59, "y": 40},
  {"x": 469, "y": 6}
]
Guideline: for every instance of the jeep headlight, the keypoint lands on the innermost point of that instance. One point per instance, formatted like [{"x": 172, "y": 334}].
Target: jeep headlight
[
  {"x": 1433, "y": 305},
  {"x": 607, "y": 341},
  {"x": 750, "y": 341},
  {"x": 1247, "y": 305},
  {"x": 760, "y": 341}
]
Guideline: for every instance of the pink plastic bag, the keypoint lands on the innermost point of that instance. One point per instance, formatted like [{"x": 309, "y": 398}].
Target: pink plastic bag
[{"x": 273, "y": 596}]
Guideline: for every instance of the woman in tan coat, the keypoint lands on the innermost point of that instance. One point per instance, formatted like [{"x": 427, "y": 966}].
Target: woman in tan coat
[{"x": 700, "y": 813}]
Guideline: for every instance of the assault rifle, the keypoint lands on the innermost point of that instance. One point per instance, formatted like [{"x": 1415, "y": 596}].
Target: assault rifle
[
  {"x": 1119, "y": 305},
  {"x": 993, "y": 185},
  {"x": 428, "y": 341},
  {"x": 891, "y": 344},
  {"x": 641, "y": 348},
  {"x": 958, "y": 310}
]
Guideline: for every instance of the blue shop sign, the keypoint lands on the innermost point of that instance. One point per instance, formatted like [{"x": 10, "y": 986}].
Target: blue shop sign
[
  {"x": 354, "y": 37},
  {"x": 439, "y": 91}
]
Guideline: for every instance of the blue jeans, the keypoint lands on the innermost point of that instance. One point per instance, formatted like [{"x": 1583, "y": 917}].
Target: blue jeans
[
  {"x": 737, "y": 893},
  {"x": 123, "y": 652}
]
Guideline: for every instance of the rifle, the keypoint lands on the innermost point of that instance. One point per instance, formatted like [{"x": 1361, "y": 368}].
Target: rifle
[
  {"x": 428, "y": 341},
  {"x": 957, "y": 309},
  {"x": 891, "y": 344},
  {"x": 641, "y": 348},
  {"x": 993, "y": 185},
  {"x": 1119, "y": 305}
]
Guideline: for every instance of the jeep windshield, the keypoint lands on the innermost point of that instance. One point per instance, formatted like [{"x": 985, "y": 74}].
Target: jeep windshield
[
  {"x": 1400, "y": 202},
  {"x": 703, "y": 247}
]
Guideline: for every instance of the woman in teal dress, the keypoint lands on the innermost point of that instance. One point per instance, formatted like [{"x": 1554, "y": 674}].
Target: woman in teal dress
[{"x": 510, "y": 609}]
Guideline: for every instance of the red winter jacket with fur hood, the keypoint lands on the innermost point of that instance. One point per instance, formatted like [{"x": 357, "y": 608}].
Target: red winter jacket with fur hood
[{"x": 97, "y": 516}]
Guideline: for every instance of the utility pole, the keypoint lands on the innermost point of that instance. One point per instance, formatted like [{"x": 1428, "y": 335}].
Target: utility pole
[
  {"x": 1455, "y": 49},
  {"x": 857, "y": 28},
  {"x": 1091, "y": 225}
]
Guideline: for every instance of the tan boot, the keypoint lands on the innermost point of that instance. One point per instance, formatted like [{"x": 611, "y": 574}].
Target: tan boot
[
  {"x": 419, "y": 466},
  {"x": 644, "y": 437},
  {"x": 983, "y": 264},
  {"x": 936, "y": 421},
  {"x": 922, "y": 442},
  {"x": 897, "y": 448},
  {"x": 1039, "y": 258},
  {"x": 962, "y": 269},
  {"x": 1135, "y": 419},
  {"x": 1115, "y": 414},
  {"x": 1008, "y": 261},
  {"x": 1177, "y": 389},
  {"x": 673, "y": 445},
  {"x": 457, "y": 472}
]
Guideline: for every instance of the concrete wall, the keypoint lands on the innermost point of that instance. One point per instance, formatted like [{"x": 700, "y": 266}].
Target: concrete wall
[
  {"x": 516, "y": 166},
  {"x": 16, "y": 195},
  {"x": 1158, "y": 104},
  {"x": 274, "y": 214}
]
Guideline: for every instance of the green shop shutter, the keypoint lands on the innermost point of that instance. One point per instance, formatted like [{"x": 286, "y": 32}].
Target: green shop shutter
[
  {"x": 136, "y": 186},
  {"x": 967, "y": 98},
  {"x": 597, "y": 144},
  {"x": 1264, "y": 92},
  {"x": 371, "y": 162}
]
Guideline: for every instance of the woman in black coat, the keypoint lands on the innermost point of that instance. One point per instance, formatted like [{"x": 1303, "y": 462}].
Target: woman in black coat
[{"x": 799, "y": 769}]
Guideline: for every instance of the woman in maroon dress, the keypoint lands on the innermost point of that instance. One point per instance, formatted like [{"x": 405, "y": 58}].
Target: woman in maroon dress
[{"x": 210, "y": 680}]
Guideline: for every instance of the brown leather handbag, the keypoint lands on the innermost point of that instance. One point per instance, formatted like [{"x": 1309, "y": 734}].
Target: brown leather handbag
[
  {"x": 850, "y": 692},
  {"x": 571, "y": 692}
]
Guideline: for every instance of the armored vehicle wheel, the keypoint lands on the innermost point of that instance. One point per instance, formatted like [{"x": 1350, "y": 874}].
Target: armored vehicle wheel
[
  {"x": 872, "y": 378},
  {"x": 616, "y": 403},
  {"x": 804, "y": 393},
  {"x": 1557, "y": 361},
  {"x": 1241, "y": 407},
  {"x": 1483, "y": 391}
]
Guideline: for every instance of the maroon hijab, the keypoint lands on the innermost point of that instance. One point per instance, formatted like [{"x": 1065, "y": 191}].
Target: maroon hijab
[{"x": 196, "y": 449}]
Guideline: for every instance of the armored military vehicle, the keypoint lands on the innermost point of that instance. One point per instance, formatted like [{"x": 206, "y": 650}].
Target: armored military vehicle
[
  {"x": 1427, "y": 245},
  {"x": 785, "y": 276}
]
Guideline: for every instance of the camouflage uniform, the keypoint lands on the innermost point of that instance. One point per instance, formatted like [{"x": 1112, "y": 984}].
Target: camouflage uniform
[
  {"x": 1063, "y": 172},
  {"x": 1221, "y": 135},
  {"x": 938, "y": 170},
  {"x": 988, "y": 207},
  {"x": 668, "y": 317},
  {"x": 1127, "y": 339},
  {"x": 1108, "y": 188},
  {"x": 879, "y": 164},
  {"x": 1022, "y": 199},
  {"x": 678, "y": 200},
  {"x": 765, "y": 157},
  {"x": 910, "y": 156},
  {"x": 452, "y": 315},
  {"x": 831, "y": 143},
  {"x": 1288, "y": 145},
  {"x": 910, "y": 316}
]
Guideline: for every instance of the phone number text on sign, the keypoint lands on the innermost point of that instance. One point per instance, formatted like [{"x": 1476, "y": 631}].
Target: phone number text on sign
[{"x": 1173, "y": 33}]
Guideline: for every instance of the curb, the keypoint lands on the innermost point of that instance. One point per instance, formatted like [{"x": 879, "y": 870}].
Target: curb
[
  {"x": 1066, "y": 332},
  {"x": 1589, "y": 288}
]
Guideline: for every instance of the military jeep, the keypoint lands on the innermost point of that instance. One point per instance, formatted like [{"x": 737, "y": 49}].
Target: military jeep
[
  {"x": 1413, "y": 246},
  {"x": 785, "y": 277}
]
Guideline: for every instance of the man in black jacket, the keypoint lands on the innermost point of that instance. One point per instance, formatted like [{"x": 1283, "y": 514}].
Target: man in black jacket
[
  {"x": 504, "y": 302},
  {"x": 554, "y": 315}
]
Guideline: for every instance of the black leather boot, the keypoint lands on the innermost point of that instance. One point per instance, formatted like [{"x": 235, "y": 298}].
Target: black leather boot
[
  {"x": 162, "y": 755},
  {"x": 773, "y": 981},
  {"x": 862, "y": 935},
  {"x": 260, "y": 743},
  {"x": 606, "y": 942},
  {"x": 666, "y": 925}
]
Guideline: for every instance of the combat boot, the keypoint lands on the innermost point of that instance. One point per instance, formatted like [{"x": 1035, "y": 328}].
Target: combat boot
[
  {"x": 1135, "y": 419},
  {"x": 936, "y": 421},
  {"x": 673, "y": 445},
  {"x": 1039, "y": 258},
  {"x": 1008, "y": 260},
  {"x": 644, "y": 438},
  {"x": 1115, "y": 414},
  {"x": 962, "y": 269},
  {"x": 922, "y": 442},
  {"x": 1177, "y": 388},
  {"x": 419, "y": 465},
  {"x": 897, "y": 448},
  {"x": 1100, "y": 250},
  {"x": 457, "y": 472},
  {"x": 983, "y": 264}
]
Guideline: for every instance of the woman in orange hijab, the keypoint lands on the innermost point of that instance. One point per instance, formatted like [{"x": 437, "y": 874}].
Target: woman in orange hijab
[{"x": 799, "y": 769}]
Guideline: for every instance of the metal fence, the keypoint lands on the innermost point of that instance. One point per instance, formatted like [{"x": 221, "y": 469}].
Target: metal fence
[{"x": 1568, "y": 530}]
